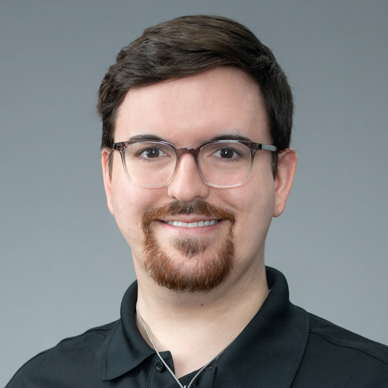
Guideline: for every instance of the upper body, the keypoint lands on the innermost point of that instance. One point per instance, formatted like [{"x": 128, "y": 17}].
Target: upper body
[
  {"x": 196, "y": 159},
  {"x": 282, "y": 346}
]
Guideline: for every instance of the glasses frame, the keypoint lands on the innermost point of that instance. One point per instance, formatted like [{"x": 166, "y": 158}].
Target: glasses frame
[{"x": 253, "y": 148}]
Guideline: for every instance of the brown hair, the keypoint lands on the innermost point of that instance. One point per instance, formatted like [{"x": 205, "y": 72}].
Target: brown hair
[{"x": 188, "y": 45}]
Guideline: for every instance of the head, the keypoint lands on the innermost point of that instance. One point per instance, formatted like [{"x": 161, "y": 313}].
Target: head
[
  {"x": 189, "y": 45},
  {"x": 188, "y": 81}
]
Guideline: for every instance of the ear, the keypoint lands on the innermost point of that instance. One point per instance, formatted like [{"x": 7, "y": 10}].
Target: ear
[
  {"x": 107, "y": 176},
  {"x": 284, "y": 178}
]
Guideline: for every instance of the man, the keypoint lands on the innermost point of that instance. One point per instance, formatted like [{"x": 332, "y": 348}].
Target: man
[{"x": 197, "y": 118}]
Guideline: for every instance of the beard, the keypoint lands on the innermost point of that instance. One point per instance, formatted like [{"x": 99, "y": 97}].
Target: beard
[{"x": 208, "y": 272}]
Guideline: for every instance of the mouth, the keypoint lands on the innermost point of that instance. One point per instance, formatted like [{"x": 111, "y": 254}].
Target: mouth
[
  {"x": 197, "y": 224},
  {"x": 197, "y": 219}
]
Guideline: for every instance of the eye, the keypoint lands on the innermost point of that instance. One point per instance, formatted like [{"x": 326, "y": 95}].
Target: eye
[
  {"x": 151, "y": 153},
  {"x": 227, "y": 153}
]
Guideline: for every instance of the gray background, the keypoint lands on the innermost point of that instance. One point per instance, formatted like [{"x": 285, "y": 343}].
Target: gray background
[{"x": 64, "y": 263}]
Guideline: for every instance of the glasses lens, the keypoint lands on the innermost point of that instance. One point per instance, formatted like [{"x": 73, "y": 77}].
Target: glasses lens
[
  {"x": 225, "y": 163},
  {"x": 150, "y": 163}
]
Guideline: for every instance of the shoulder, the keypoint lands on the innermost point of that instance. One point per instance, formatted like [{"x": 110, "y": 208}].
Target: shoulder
[
  {"x": 66, "y": 356},
  {"x": 339, "y": 337},
  {"x": 337, "y": 357}
]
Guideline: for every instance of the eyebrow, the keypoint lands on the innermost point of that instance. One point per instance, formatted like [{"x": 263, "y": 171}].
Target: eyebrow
[
  {"x": 231, "y": 137},
  {"x": 145, "y": 137},
  {"x": 149, "y": 137}
]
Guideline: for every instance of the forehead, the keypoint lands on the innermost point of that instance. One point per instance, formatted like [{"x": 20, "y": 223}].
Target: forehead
[{"x": 191, "y": 110}]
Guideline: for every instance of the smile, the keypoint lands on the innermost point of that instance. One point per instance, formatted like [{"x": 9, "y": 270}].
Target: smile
[{"x": 192, "y": 224}]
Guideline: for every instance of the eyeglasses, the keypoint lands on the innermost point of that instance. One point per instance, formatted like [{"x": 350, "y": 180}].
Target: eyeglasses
[{"x": 223, "y": 163}]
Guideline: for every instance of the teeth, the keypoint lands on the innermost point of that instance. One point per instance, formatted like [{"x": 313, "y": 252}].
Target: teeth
[{"x": 193, "y": 224}]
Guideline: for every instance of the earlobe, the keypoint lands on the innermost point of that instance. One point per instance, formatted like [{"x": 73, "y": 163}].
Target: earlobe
[
  {"x": 284, "y": 178},
  {"x": 107, "y": 176}
]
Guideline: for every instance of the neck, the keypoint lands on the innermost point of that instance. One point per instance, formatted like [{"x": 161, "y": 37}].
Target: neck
[{"x": 200, "y": 324}]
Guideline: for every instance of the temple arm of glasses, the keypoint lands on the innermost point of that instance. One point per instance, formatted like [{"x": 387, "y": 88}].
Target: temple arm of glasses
[{"x": 268, "y": 147}]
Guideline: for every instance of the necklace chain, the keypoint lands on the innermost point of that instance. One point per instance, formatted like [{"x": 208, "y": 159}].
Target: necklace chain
[{"x": 164, "y": 362}]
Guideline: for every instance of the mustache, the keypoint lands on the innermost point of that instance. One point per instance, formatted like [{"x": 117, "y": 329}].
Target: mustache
[{"x": 198, "y": 207}]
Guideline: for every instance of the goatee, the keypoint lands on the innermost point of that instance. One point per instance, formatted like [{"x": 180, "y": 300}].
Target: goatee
[{"x": 209, "y": 272}]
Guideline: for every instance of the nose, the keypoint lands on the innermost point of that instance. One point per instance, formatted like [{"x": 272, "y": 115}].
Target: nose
[{"x": 187, "y": 184}]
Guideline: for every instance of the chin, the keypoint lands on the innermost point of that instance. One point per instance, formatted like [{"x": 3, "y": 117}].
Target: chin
[{"x": 190, "y": 267}]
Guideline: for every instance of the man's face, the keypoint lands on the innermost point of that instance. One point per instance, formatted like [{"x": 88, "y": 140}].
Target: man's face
[{"x": 188, "y": 112}]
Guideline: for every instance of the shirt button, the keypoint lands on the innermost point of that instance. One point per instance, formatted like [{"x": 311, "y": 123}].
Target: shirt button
[{"x": 159, "y": 366}]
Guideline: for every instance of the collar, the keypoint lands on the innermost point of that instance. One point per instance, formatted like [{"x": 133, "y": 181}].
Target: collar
[
  {"x": 272, "y": 344},
  {"x": 126, "y": 348}
]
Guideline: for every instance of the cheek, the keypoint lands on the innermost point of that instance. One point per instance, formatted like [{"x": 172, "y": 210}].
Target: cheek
[
  {"x": 130, "y": 203},
  {"x": 254, "y": 206},
  {"x": 254, "y": 199}
]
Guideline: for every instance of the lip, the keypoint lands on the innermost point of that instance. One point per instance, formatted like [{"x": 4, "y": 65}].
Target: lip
[
  {"x": 190, "y": 231},
  {"x": 188, "y": 219},
  {"x": 199, "y": 224}
]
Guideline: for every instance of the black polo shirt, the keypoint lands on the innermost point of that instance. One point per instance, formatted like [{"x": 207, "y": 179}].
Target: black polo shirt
[{"x": 283, "y": 346}]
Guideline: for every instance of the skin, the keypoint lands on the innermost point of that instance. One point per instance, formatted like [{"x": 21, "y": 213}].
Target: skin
[{"x": 189, "y": 112}]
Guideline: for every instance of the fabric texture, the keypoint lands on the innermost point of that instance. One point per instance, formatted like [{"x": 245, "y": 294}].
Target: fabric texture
[{"x": 283, "y": 346}]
